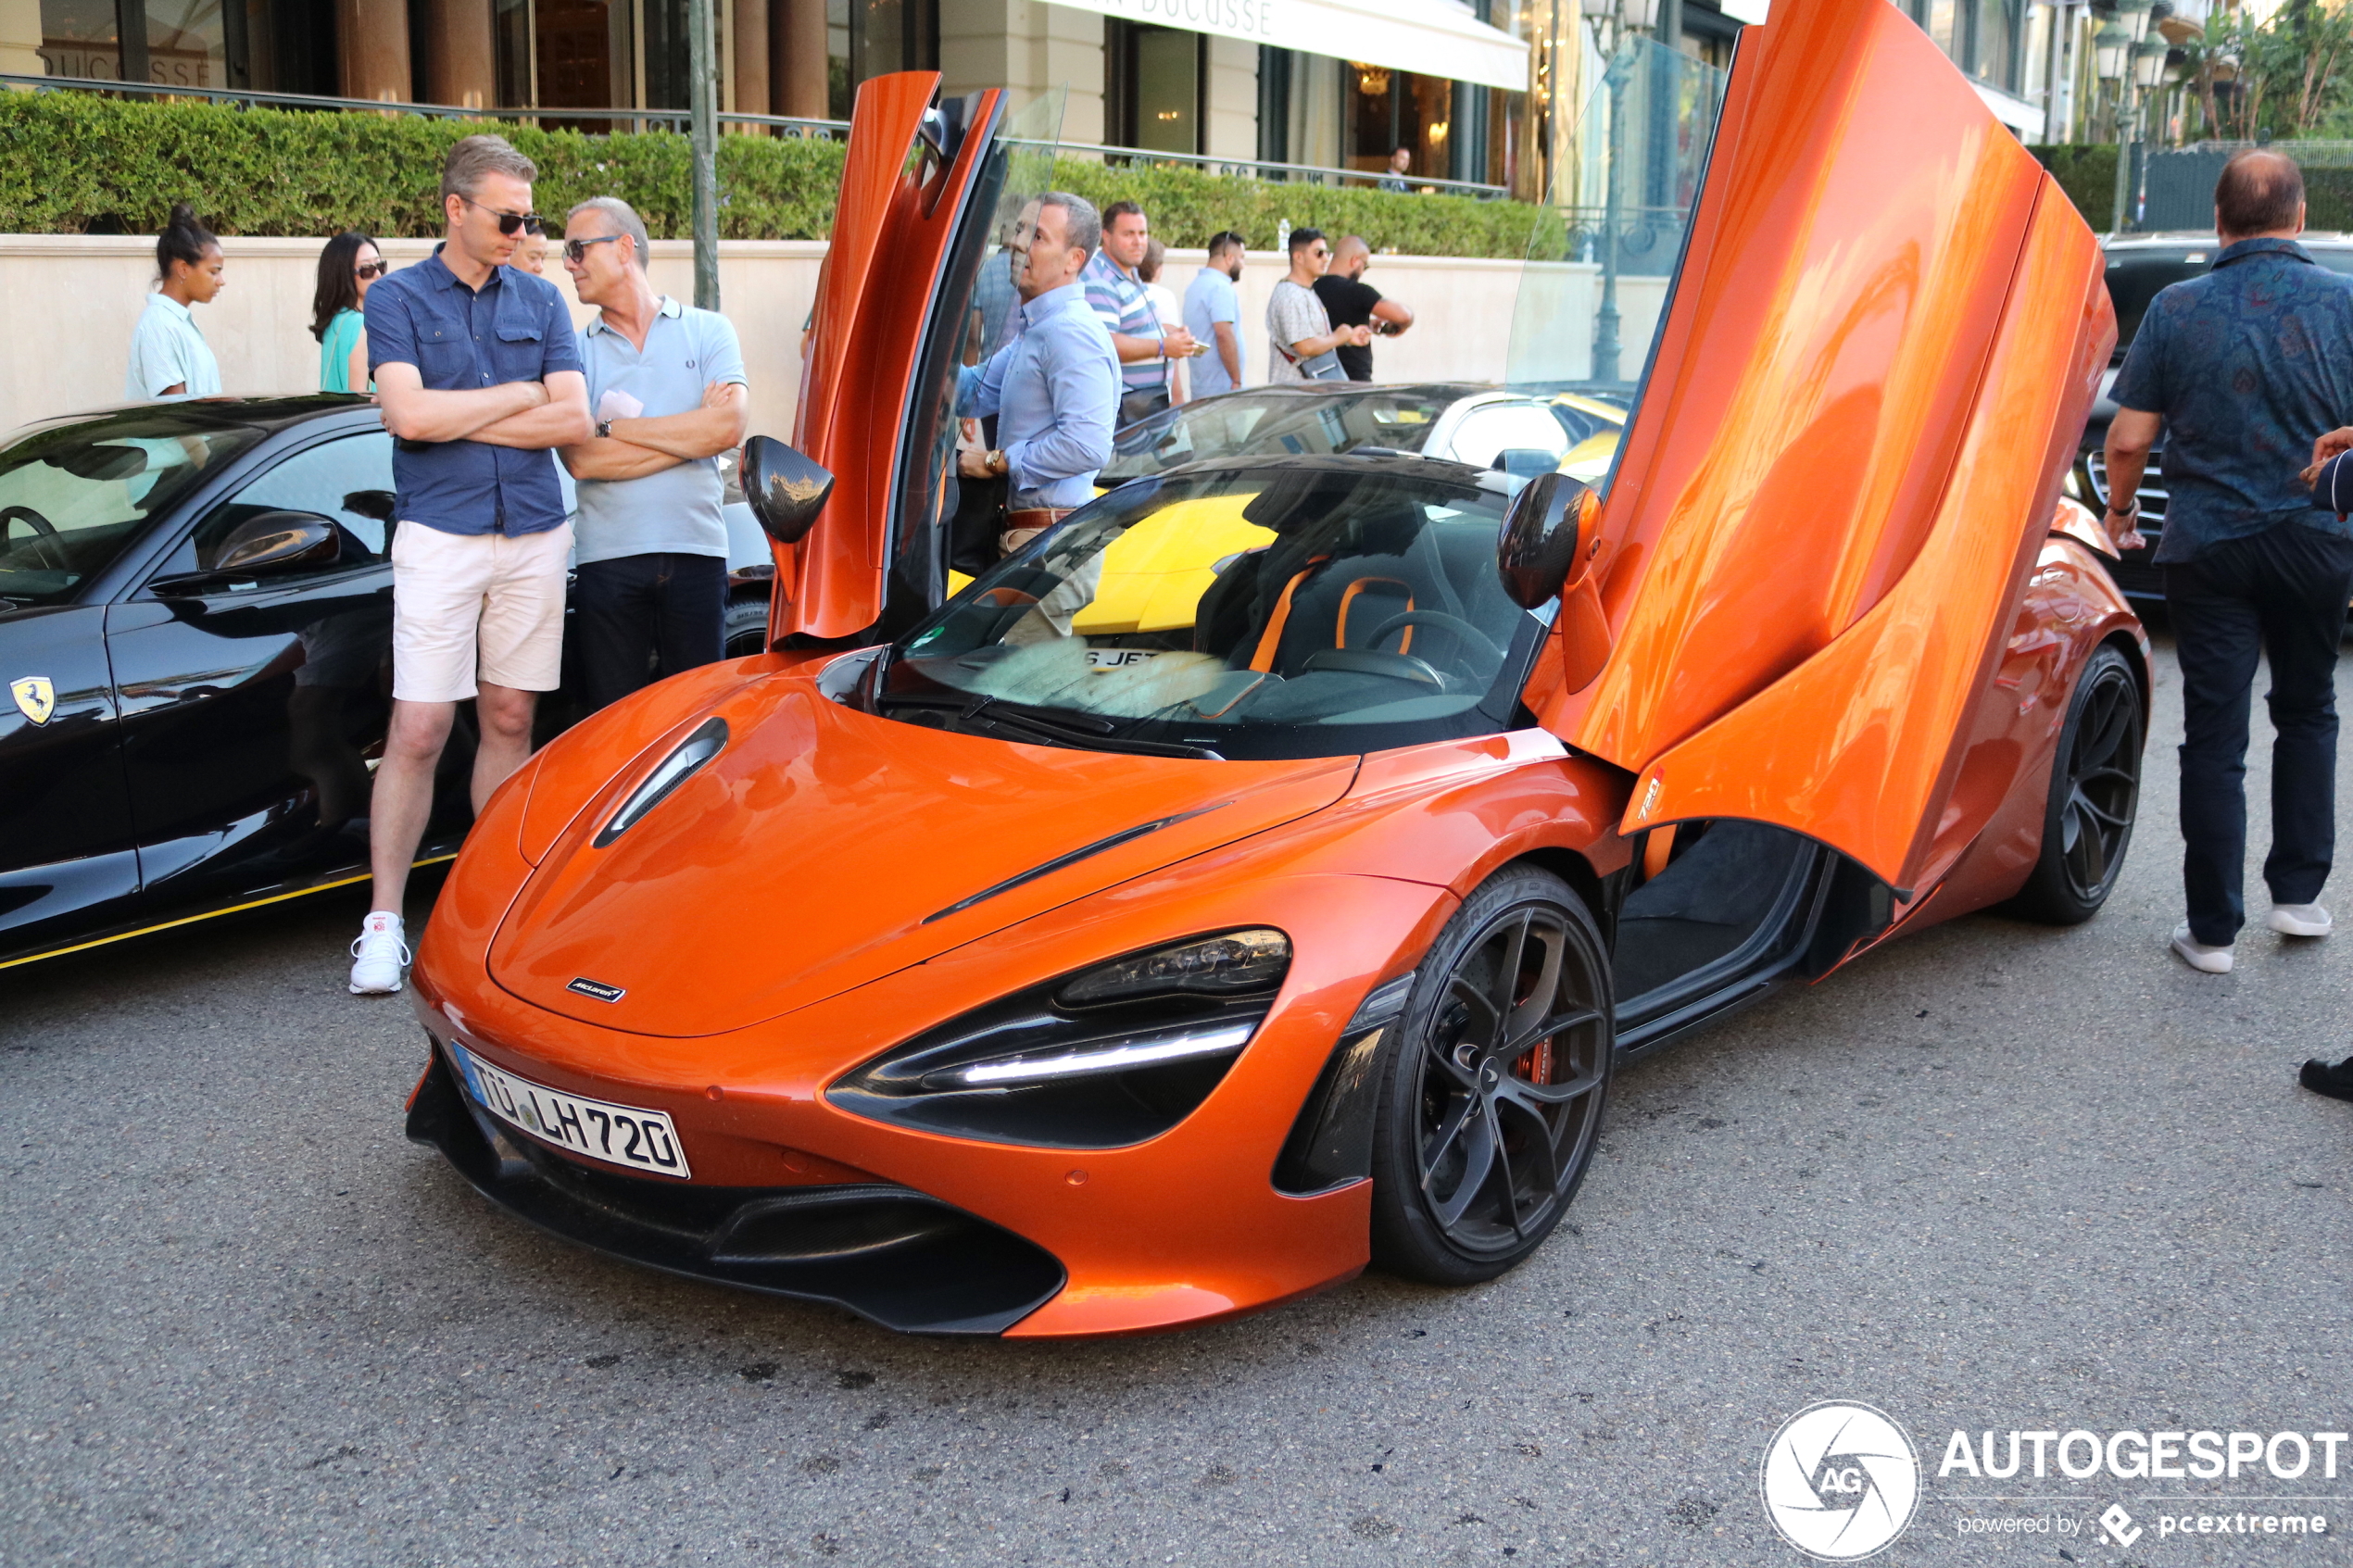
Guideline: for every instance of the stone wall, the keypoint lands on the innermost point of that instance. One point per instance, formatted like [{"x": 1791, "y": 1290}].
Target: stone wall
[{"x": 68, "y": 303}]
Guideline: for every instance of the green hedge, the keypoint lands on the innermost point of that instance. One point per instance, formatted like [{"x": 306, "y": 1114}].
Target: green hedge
[
  {"x": 2328, "y": 194},
  {"x": 72, "y": 163},
  {"x": 1187, "y": 205},
  {"x": 2086, "y": 171}
]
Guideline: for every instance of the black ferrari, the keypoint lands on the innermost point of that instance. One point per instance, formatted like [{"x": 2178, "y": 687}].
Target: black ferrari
[{"x": 195, "y": 643}]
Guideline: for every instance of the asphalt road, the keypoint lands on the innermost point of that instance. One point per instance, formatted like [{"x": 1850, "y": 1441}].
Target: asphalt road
[{"x": 1996, "y": 1177}]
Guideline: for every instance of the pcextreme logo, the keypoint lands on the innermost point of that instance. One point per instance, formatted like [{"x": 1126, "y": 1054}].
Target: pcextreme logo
[{"x": 1840, "y": 1481}]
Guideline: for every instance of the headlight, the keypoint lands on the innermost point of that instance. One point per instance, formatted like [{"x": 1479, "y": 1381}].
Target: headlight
[
  {"x": 1107, "y": 1057},
  {"x": 692, "y": 755},
  {"x": 1232, "y": 965},
  {"x": 2072, "y": 484}
]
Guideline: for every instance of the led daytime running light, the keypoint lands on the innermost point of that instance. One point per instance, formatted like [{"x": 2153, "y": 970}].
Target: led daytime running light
[
  {"x": 693, "y": 754},
  {"x": 1110, "y": 1056}
]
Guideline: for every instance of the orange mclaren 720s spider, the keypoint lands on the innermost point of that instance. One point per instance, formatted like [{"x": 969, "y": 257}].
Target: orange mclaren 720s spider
[{"x": 1260, "y": 875}]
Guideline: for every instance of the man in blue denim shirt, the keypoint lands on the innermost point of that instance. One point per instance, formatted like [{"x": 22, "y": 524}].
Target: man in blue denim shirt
[
  {"x": 480, "y": 378},
  {"x": 1055, "y": 387},
  {"x": 2245, "y": 370}
]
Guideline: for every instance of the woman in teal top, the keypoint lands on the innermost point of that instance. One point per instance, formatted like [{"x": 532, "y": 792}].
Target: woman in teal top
[{"x": 347, "y": 268}]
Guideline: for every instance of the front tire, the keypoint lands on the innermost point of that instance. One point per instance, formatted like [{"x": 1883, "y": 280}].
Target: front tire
[
  {"x": 746, "y": 630},
  {"x": 2095, "y": 797},
  {"x": 1493, "y": 1084}
]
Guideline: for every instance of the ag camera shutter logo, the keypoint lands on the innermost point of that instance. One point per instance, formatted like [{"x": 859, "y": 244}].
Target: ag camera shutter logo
[{"x": 1840, "y": 1481}]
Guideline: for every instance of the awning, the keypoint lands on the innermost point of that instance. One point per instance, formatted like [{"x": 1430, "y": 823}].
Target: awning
[{"x": 1428, "y": 37}]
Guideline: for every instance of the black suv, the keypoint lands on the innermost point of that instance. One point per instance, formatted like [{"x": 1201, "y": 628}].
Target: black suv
[{"x": 2139, "y": 265}]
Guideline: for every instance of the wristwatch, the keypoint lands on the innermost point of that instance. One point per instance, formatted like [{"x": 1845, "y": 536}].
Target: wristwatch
[
  {"x": 995, "y": 461},
  {"x": 604, "y": 430}
]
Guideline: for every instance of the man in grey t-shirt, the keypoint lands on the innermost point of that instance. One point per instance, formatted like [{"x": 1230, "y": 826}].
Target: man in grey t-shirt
[
  {"x": 666, "y": 385},
  {"x": 1300, "y": 337}
]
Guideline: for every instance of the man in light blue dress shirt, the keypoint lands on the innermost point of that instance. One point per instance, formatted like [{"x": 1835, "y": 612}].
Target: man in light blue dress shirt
[{"x": 1055, "y": 389}]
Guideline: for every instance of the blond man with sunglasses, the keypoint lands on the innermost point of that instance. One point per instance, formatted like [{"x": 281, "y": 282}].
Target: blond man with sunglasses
[{"x": 480, "y": 380}]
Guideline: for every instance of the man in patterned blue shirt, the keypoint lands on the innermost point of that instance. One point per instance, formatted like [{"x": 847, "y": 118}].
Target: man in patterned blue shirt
[{"x": 2245, "y": 370}]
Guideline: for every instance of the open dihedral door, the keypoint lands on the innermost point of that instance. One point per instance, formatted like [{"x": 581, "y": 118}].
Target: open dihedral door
[
  {"x": 878, "y": 362},
  {"x": 1875, "y": 364}
]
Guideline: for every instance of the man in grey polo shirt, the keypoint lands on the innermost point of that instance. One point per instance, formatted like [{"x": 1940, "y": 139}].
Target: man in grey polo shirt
[{"x": 667, "y": 385}]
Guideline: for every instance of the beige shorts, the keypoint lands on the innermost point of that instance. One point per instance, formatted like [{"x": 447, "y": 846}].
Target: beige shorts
[{"x": 476, "y": 607}]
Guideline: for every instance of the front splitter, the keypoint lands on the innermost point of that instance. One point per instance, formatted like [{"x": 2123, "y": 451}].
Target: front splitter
[{"x": 895, "y": 1255}]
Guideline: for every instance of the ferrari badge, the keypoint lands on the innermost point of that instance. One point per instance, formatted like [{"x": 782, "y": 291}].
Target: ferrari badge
[{"x": 36, "y": 698}]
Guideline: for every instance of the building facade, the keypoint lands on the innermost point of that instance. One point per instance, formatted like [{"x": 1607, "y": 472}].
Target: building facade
[
  {"x": 1472, "y": 89},
  {"x": 1329, "y": 83}
]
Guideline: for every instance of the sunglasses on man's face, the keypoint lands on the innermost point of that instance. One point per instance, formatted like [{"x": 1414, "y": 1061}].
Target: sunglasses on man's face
[
  {"x": 509, "y": 223},
  {"x": 371, "y": 269},
  {"x": 576, "y": 251}
]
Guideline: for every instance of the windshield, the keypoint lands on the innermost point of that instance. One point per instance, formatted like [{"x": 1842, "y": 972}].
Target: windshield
[
  {"x": 73, "y": 496},
  {"x": 1273, "y": 423},
  {"x": 1311, "y": 608}
]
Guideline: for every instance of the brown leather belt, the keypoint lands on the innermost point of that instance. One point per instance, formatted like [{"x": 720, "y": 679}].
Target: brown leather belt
[{"x": 1035, "y": 517}]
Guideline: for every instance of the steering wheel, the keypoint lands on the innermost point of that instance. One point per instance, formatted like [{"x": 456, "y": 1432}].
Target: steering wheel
[
  {"x": 1471, "y": 635},
  {"x": 45, "y": 533}
]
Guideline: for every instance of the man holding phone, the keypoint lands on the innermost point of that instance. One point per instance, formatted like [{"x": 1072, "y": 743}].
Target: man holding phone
[{"x": 480, "y": 379}]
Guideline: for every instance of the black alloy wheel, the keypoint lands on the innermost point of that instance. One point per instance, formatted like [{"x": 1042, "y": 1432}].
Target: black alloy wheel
[
  {"x": 1493, "y": 1084},
  {"x": 2095, "y": 795}
]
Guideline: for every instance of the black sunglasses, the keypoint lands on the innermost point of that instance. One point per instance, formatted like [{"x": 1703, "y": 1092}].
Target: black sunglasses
[
  {"x": 371, "y": 269},
  {"x": 577, "y": 250},
  {"x": 509, "y": 223}
]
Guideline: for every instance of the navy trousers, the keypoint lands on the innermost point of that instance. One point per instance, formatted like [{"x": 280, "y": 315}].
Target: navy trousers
[
  {"x": 2282, "y": 593},
  {"x": 634, "y": 612}
]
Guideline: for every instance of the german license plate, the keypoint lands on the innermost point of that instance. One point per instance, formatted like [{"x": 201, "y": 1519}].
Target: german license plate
[{"x": 626, "y": 1135}]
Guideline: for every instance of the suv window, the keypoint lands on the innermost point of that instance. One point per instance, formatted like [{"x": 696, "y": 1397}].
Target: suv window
[
  {"x": 1485, "y": 432},
  {"x": 348, "y": 481},
  {"x": 2135, "y": 276}
]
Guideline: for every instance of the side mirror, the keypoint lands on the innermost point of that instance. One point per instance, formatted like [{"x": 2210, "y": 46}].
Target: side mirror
[
  {"x": 1547, "y": 537},
  {"x": 786, "y": 490},
  {"x": 262, "y": 545}
]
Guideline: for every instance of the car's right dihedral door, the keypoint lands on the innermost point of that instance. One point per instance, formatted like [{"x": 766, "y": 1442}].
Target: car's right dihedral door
[{"x": 1873, "y": 369}]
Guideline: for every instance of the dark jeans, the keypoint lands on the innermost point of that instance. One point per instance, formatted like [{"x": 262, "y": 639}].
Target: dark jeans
[
  {"x": 2282, "y": 590},
  {"x": 632, "y": 610}
]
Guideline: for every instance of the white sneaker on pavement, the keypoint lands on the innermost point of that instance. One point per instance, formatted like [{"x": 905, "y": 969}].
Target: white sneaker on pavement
[
  {"x": 2301, "y": 919},
  {"x": 2194, "y": 953},
  {"x": 378, "y": 955}
]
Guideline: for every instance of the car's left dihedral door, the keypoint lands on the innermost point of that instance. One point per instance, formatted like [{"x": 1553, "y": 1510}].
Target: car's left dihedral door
[
  {"x": 1878, "y": 353},
  {"x": 890, "y": 306}
]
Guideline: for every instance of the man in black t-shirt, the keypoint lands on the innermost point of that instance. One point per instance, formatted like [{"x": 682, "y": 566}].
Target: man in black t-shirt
[{"x": 1351, "y": 302}]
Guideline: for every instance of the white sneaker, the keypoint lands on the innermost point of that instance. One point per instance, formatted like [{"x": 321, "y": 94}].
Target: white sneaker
[
  {"x": 380, "y": 953},
  {"x": 2301, "y": 919},
  {"x": 2194, "y": 953}
]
